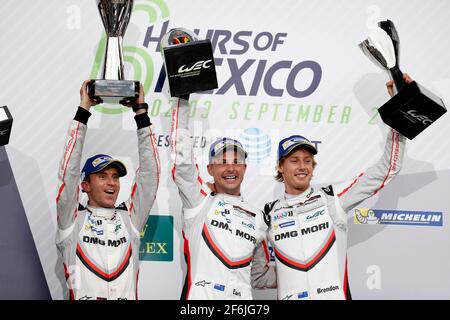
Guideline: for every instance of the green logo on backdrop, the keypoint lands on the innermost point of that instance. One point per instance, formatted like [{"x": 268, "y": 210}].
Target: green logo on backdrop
[
  {"x": 138, "y": 58},
  {"x": 157, "y": 239}
]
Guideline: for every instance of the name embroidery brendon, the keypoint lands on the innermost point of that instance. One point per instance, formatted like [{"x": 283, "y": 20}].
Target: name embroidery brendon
[{"x": 330, "y": 288}]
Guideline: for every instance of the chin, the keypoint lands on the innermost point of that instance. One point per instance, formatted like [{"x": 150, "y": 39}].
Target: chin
[
  {"x": 231, "y": 186},
  {"x": 231, "y": 190},
  {"x": 303, "y": 182}
]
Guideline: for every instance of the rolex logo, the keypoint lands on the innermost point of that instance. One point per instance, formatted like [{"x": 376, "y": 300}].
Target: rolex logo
[
  {"x": 143, "y": 231},
  {"x": 157, "y": 241}
]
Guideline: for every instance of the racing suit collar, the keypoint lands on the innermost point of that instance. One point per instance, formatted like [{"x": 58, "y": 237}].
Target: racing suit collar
[
  {"x": 102, "y": 212},
  {"x": 289, "y": 198},
  {"x": 228, "y": 198}
]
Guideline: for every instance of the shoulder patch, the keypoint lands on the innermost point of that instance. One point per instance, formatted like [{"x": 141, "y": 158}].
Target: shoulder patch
[
  {"x": 328, "y": 190},
  {"x": 122, "y": 206}
]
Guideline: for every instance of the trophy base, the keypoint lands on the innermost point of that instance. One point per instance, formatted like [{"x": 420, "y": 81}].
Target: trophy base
[
  {"x": 190, "y": 68},
  {"x": 412, "y": 110},
  {"x": 5, "y": 125},
  {"x": 114, "y": 91}
]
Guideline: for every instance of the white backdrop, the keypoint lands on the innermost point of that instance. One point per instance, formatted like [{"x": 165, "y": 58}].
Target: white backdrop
[{"x": 48, "y": 47}]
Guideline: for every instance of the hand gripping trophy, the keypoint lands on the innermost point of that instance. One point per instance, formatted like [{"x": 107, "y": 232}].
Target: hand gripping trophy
[
  {"x": 113, "y": 88},
  {"x": 413, "y": 108}
]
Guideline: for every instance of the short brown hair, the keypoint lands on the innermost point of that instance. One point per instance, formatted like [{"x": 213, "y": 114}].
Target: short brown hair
[{"x": 279, "y": 177}]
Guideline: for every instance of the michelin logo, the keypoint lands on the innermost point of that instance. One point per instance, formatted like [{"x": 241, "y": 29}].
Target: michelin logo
[
  {"x": 399, "y": 217},
  {"x": 369, "y": 218}
]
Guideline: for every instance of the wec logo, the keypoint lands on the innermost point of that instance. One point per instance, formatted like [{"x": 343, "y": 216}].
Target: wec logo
[
  {"x": 422, "y": 118},
  {"x": 202, "y": 64},
  {"x": 315, "y": 215}
]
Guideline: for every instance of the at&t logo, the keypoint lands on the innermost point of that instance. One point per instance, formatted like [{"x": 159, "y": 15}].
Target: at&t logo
[{"x": 257, "y": 144}]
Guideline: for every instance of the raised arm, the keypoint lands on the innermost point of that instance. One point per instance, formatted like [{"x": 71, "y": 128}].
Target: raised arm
[
  {"x": 377, "y": 176},
  {"x": 380, "y": 174},
  {"x": 145, "y": 186},
  {"x": 69, "y": 166},
  {"x": 185, "y": 171}
]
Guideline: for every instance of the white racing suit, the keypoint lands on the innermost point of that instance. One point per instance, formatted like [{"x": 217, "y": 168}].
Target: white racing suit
[
  {"x": 309, "y": 231},
  {"x": 100, "y": 246},
  {"x": 221, "y": 232}
]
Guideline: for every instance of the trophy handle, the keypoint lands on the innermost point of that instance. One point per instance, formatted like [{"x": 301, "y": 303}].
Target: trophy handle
[{"x": 397, "y": 75}]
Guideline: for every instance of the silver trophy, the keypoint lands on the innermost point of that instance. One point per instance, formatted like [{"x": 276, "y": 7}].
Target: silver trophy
[
  {"x": 413, "y": 108},
  {"x": 383, "y": 48},
  {"x": 113, "y": 88}
]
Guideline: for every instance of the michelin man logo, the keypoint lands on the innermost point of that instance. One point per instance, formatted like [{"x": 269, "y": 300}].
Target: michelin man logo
[
  {"x": 366, "y": 216},
  {"x": 136, "y": 58},
  {"x": 257, "y": 144}
]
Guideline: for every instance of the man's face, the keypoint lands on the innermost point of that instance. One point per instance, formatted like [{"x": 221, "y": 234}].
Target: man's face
[
  {"x": 103, "y": 188},
  {"x": 228, "y": 171},
  {"x": 297, "y": 170}
]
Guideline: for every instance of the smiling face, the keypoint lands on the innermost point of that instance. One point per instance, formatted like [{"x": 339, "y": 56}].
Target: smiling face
[
  {"x": 228, "y": 171},
  {"x": 102, "y": 188},
  {"x": 297, "y": 171}
]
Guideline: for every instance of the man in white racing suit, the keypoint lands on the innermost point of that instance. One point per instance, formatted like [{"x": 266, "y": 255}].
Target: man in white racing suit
[
  {"x": 99, "y": 242},
  {"x": 221, "y": 231},
  {"x": 308, "y": 224}
]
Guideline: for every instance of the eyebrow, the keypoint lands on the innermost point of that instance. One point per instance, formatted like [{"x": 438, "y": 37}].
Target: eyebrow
[
  {"x": 302, "y": 157},
  {"x": 102, "y": 173}
]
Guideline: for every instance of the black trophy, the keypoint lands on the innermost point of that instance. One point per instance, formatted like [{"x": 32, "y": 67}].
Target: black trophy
[
  {"x": 413, "y": 108},
  {"x": 189, "y": 62},
  {"x": 6, "y": 121},
  {"x": 113, "y": 88}
]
